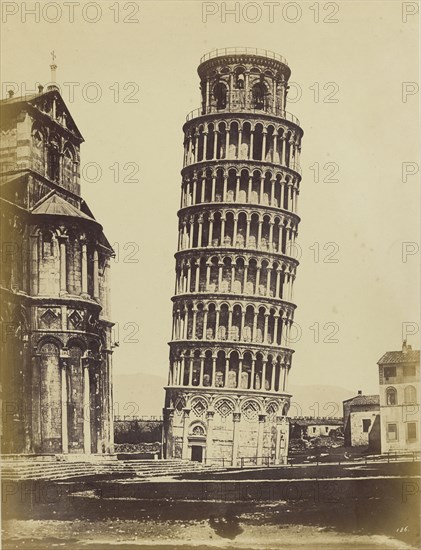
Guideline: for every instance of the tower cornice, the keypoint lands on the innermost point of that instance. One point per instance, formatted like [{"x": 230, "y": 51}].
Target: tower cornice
[
  {"x": 249, "y": 208},
  {"x": 199, "y": 116},
  {"x": 243, "y": 164}
]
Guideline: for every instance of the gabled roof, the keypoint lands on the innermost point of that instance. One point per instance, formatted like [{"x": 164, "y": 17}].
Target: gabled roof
[
  {"x": 364, "y": 400},
  {"x": 394, "y": 357},
  {"x": 18, "y": 99},
  {"x": 53, "y": 205},
  {"x": 316, "y": 421},
  {"x": 36, "y": 99},
  {"x": 6, "y": 179}
]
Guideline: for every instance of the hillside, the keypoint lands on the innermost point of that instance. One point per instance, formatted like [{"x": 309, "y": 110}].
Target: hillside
[{"x": 143, "y": 395}]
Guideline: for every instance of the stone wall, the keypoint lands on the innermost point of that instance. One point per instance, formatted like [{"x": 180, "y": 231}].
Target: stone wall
[{"x": 358, "y": 436}]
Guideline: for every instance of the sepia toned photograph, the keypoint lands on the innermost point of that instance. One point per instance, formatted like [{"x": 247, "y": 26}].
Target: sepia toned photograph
[{"x": 210, "y": 275}]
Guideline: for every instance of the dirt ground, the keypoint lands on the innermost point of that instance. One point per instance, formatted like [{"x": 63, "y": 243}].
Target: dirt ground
[
  {"x": 241, "y": 533},
  {"x": 362, "y": 509}
]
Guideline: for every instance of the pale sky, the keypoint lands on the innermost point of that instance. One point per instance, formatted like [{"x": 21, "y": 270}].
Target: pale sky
[{"x": 362, "y": 61}]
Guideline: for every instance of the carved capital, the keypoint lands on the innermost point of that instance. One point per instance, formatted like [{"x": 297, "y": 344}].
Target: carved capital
[{"x": 236, "y": 417}]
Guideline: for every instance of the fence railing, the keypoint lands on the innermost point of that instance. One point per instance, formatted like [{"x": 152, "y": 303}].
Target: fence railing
[
  {"x": 247, "y": 51},
  {"x": 266, "y": 461},
  {"x": 358, "y": 460},
  {"x": 243, "y": 462}
]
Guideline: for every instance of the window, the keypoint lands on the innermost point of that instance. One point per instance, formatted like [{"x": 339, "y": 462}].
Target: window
[
  {"x": 366, "y": 424},
  {"x": 47, "y": 244},
  {"x": 409, "y": 370},
  {"x": 37, "y": 139},
  {"x": 389, "y": 372},
  {"x": 68, "y": 165},
  {"x": 314, "y": 430},
  {"x": 259, "y": 93},
  {"x": 392, "y": 432},
  {"x": 411, "y": 428},
  {"x": 410, "y": 394},
  {"x": 327, "y": 429},
  {"x": 53, "y": 163},
  {"x": 391, "y": 396},
  {"x": 220, "y": 95},
  {"x": 239, "y": 83}
]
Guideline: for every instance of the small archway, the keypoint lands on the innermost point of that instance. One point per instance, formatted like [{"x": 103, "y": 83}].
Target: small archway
[
  {"x": 220, "y": 95},
  {"x": 197, "y": 442}
]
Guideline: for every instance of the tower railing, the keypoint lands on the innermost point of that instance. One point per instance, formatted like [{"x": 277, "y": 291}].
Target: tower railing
[
  {"x": 243, "y": 51},
  {"x": 211, "y": 109}
]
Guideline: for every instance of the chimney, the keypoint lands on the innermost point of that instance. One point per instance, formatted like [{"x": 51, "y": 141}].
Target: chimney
[
  {"x": 11, "y": 93},
  {"x": 360, "y": 392},
  {"x": 40, "y": 88},
  {"x": 404, "y": 347}
]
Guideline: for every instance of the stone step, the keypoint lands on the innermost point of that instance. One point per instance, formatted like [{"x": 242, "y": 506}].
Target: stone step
[
  {"x": 139, "y": 468},
  {"x": 102, "y": 470}
]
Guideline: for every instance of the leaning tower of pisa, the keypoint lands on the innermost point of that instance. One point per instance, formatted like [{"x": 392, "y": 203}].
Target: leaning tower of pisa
[{"x": 227, "y": 394}]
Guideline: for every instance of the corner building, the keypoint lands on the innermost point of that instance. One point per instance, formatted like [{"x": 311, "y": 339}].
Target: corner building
[
  {"x": 399, "y": 385},
  {"x": 56, "y": 376},
  {"x": 227, "y": 398}
]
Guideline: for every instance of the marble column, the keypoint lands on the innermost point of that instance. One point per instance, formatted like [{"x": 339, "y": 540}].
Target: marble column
[
  {"x": 96, "y": 274},
  {"x": 210, "y": 236},
  {"x": 213, "y": 371},
  {"x": 197, "y": 277},
  {"x": 259, "y": 233},
  {"x": 193, "y": 336},
  {"x": 63, "y": 266},
  {"x": 86, "y": 411},
  {"x": 236, "y": 435},
  {"x": 185, "y": 449},
  {"x": 275, "y": 330},
  {"x": 34, "y": 273},
  {"x": 199, "y": 239},
  {"x": 64, "y": 420},
  {"x": 234, "y": 234},
  {"x": 84, "y": 270},
  {"x": 260, "y": 433},
  {"x": 209, "y": 439},
  {"x": 252, "y": 376},
  {"x": 205, "y": 322}
]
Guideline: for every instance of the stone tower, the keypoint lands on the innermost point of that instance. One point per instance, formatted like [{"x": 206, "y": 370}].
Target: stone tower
[
  {"x": 56, "y": 377},
  {"x": 227, "y": 397}
]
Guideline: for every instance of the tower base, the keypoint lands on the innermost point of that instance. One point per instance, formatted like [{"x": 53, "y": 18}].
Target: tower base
[{"x": 226, "y": 430}]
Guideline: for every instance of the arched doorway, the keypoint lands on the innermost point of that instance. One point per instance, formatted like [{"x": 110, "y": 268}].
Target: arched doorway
[{"x": 197, "y": 443}]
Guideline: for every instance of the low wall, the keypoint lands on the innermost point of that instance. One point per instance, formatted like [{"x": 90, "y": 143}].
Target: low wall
[{"x": 135, "y": 431}]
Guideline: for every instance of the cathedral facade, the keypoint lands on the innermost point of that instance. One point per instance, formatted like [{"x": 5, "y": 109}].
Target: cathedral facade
[
  {"x": 227, "y": 394},
  {"x": 56, "y": 376}
]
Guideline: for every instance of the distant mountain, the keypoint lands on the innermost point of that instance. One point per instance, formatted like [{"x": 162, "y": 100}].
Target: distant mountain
[
  {"x": 138, "y": 394},
  {"x": 143, "y": 395},
  {"x": 318, "y": 400}
]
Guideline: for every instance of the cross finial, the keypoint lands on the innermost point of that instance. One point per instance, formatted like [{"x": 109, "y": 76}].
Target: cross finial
[{"x": 53, "y": 68}]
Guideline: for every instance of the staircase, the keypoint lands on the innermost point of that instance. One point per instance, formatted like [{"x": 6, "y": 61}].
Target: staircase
[{"x": 23, "y": 469}]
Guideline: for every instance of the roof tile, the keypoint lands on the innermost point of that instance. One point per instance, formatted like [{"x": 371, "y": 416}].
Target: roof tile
[
  {"x": 393, "y": 357},
  {"x": 56, "y": 206}
]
